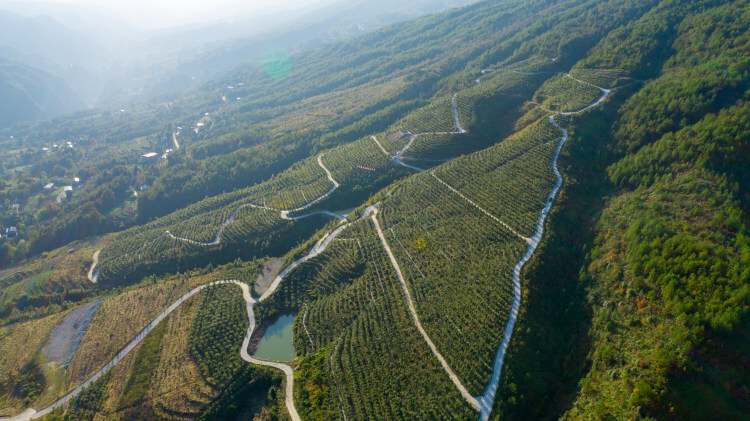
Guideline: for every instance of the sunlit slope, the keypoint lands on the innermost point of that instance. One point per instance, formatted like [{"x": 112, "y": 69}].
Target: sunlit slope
[
  {"x": 217, "y": 226},
  {"x": 354, "y": 326},
  {"x": 457, "y": 262},
  {"x": 608, "y": 306},
  {"x": 392, "y": 71}
]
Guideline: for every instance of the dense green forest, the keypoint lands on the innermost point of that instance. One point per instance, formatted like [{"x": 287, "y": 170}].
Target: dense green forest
[{"x": 512, "y": 210}]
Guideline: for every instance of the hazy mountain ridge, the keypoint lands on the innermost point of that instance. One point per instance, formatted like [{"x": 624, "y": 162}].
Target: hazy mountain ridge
[
  {"x": 125, "y": 64},
  {"x": 32, "y": 94}
]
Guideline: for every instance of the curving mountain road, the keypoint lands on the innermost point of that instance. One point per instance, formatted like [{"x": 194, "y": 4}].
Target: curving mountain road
[
  {"x": 487, "y": 400},
  {"x": 284, "y": 214},
  {"x": 319, "y": 247},
  {"x": 484, "y": 403},
  {"x": 455, "y": 114},
  {"x": 398, "y": 158},
  {"x": 33, "y": 414},
  {"x": 454, "y": 378}
]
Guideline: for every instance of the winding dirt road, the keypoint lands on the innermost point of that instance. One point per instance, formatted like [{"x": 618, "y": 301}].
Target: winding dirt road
[
  {"x": 319, "y": 247},
  {"x": 455, "y": 114},
  {"x": 93, "y": 275},
  {"x": 284, "y": 214},
  {"x": 484, "y": 403},
  {"x": 399, "y": 157},
  {"x": 454, "y": 378},
  {"x": 488, "y": 398},
  {"x": 33, "y": 414}
]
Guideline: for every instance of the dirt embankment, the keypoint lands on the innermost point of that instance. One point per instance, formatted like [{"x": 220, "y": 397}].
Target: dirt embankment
[
  {"x": 67, "y": 335},
  {"x": 267, "y": 274}
]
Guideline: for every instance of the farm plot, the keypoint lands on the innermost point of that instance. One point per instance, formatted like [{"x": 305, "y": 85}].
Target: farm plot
[
  {"x": 511, "y": 179},
  {"x": 203, "y": 228},
  {"x": 300, "y": 184},
  {"x": 606, "y": 78},
  {"x": 353, "y": 311},
  {"x": 437, "y": 116},
  {"x": 188, "y": 234},
  {"x": 439, "y": 147},
  {"x": 360, "y": 163},
  {"x": 296, "y": 186},
  {"x": 563, "y": 94},
  {"x": 505, "y": 81},
  {"x": 534, "y": 64},
  {"x": 106, "y": 333},
  {"x": 385, "y": 370},
  {"x": 252, "y": 232},
  {"x": 458, "y": 265},
  {"x": 330, "y": 290},
  {"x": 178, "y": 389}
]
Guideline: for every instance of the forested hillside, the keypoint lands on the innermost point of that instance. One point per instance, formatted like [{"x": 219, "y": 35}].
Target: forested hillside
[{"x": 511, "y": 210}]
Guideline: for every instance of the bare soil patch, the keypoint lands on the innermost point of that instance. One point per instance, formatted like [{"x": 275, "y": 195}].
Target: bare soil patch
[
  {"x": 67, "y": 335},
  {"x": 267, "y": 274}
]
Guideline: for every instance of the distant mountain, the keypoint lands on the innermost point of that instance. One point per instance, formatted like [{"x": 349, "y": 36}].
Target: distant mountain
[
  {"x": 109, "y": 63},
  {"x": 180, "y": 58},
  {"x": 340, "y": 20},
  {"x": 27, "y": 93},
  {"x": 44, "y": 36},
  {"x": 46, "y": 44},
  {"x": 89, "y": 20}
]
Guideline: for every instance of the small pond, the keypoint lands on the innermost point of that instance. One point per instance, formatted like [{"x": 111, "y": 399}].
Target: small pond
[{"x": 276, "y": 344}]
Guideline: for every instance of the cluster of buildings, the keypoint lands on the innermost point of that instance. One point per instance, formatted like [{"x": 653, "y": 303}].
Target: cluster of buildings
[
  {"x": 67, "y": 192},
  {"x": 56, "y": 147}
]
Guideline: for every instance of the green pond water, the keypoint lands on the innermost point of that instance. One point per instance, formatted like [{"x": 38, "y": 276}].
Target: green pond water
[{"x": 276, "y": 344}]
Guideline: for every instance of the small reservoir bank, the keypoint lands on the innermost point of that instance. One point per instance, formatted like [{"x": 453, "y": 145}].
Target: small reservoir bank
[{"x": 277, "y": 341}]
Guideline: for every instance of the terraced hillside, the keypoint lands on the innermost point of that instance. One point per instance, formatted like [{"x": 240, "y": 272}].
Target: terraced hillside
[{"x": 536, "y": 210}]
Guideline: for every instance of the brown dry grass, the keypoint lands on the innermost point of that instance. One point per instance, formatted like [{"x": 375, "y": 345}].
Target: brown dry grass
[
  {"x": 20, "y": 343},
  {"x": 119, "y": 376},
  {"x": 119, "y": 319},
  {"x": 176, "y": 378},
  {"x": 179, "y": 390}
]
